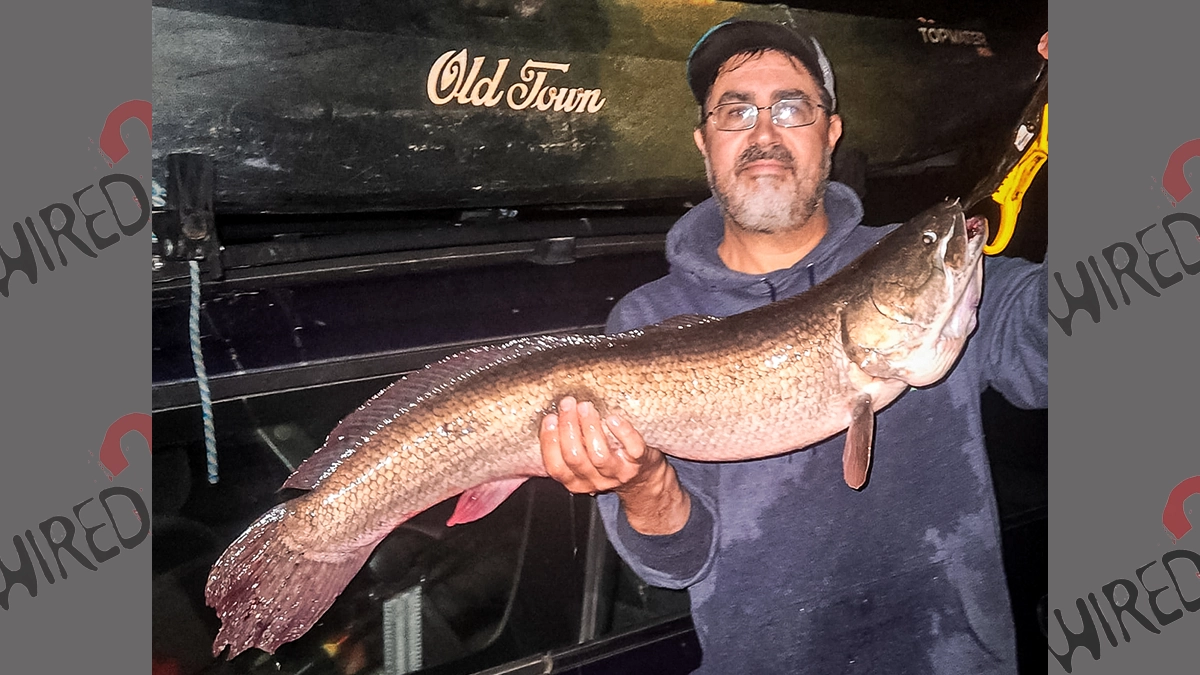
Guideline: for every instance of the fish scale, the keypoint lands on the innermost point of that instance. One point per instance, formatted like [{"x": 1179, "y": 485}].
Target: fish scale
[{"x": 768, "y": 381}]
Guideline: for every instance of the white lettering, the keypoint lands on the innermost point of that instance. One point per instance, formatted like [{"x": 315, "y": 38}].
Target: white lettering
[
  {"x": 533, "y": 91},
  {"x": 953, "y": 36},
  {"x": 595, "y": 102},
  {"x": 566, "y": 99},
  {"x": 446, "y": 74},
  {"x": 450, "y": 80},
  {"x": 490, "y": 98},
  {"x": 464, "y": 91},
  {"x": 544, "y": 103}
]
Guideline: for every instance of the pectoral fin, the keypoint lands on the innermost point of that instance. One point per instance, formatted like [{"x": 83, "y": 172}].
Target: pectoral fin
[
  {"x": 483, "y": 499},
  {"x": 856, "y": 460}
]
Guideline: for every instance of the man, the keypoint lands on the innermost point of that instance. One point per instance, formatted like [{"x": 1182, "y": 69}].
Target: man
[{"x": 789, "y": 570}]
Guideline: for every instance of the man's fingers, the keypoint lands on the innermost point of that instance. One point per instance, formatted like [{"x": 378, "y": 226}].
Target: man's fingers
[
  {"x": 572, "y": 444},
  {"x": 569, "y": 434},
  {"x": 551, "y": 452},
  {"x": 556, "y": 463},
  {"x": 631, "y": 441},
  {"x": 596, "y": 442},
  {"x": 578, "y": 452}
]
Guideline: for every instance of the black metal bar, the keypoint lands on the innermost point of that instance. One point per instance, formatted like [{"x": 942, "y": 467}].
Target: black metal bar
[
  {"x": 413, "y": 261},
  {"x": 594, "y": 610},
  {"x": 567, "y": 659},
  {"x": 183, "y": 393}
]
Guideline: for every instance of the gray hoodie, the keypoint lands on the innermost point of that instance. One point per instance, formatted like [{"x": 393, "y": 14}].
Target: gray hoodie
[{"x": 790, "y": 571}]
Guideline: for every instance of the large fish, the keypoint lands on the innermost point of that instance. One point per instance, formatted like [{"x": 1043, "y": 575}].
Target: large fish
[{"x": 761, "y": 383}]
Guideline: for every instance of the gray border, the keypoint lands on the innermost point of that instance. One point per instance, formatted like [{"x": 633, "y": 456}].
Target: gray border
[
  {"x": 1123, "y": 423},
  {"x": 75, "y": 344}
]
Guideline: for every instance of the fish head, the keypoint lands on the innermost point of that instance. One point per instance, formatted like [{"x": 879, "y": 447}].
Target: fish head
[{"x": 920, "y": 289}]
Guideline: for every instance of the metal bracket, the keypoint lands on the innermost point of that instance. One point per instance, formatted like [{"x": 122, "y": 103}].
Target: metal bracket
[
  {"x": 402, "y": 632},
  {"x": 186, "y": 230},
  {"x": 554, "y": 251}
]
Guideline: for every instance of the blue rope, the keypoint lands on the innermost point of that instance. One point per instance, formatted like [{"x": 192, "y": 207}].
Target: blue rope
[{"x": 210, "y": 436}]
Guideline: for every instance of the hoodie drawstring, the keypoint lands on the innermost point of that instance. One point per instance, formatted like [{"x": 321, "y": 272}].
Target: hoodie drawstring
[{"x": 812, "y": 281}]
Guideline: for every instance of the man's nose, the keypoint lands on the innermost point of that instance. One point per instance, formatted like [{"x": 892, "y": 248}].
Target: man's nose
[{"x": 764, "y": 132}]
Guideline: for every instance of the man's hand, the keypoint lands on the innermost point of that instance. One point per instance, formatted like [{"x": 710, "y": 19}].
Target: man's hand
[{"x": 577, "y": 453}]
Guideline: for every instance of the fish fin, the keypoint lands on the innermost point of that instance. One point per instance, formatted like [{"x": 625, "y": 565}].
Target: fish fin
[
  {"x": 401, "y": 396},
  {"x": 268, "y": 592},
  {"x": 856, "y": 459},
  {"x": 483, "y": 499},
  {"x": 680, "y": 321}
]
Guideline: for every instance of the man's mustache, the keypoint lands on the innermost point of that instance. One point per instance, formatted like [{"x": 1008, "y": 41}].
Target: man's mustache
[{"x": 754, "y": 153}]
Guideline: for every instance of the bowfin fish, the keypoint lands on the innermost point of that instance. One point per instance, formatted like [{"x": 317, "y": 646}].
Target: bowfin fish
[{"x": 772, "y": 380}]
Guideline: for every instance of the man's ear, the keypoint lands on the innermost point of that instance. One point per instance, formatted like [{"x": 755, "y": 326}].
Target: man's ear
[
  {"x": 835, "y": 130},
  {"x": 698, "y": 136}
]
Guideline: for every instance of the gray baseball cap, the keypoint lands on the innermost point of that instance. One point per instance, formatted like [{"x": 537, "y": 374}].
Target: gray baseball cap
[{"x": 736, "y": 36}]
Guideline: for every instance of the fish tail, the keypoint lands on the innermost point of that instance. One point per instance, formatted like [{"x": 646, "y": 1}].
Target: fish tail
[{"x": 267, "y": 591}]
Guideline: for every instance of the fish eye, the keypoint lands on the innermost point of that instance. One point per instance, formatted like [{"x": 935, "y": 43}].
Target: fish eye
[{"x": 929, "y": 237}]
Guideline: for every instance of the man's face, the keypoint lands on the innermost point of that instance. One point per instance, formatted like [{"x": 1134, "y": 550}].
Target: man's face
[{"x": 767, "y": 179}]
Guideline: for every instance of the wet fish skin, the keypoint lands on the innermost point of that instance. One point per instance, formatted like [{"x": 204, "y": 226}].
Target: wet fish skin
[{"x": 756, "y": 384}]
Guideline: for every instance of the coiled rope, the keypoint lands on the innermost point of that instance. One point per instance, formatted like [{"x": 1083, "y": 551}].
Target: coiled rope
[{"x": 210, "y": 436}]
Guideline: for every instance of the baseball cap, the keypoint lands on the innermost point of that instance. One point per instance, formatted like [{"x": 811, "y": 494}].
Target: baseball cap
[{"x": 737, "y": 36}]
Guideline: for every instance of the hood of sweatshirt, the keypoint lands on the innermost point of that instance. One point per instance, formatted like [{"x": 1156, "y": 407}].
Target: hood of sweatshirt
[{"x": 693, "y": 240}]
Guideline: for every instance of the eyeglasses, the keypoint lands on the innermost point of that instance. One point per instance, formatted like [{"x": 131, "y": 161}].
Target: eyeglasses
[{"x": 787, "y": 113}]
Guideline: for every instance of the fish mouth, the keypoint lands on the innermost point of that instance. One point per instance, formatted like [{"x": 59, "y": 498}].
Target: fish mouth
[
  {"x": 965, "y": 285},
  {"x": 976, "y": 226},
  {"x": 975, "y": 231}
]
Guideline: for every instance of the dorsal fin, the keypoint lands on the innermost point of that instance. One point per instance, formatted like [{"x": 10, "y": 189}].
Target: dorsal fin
[
  {"x": 679, "y": 322},
  {"x": 399, "y": 397}
]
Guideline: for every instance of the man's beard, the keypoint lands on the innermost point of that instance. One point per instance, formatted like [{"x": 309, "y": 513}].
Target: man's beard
[{"x": 770, "y": 206}]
